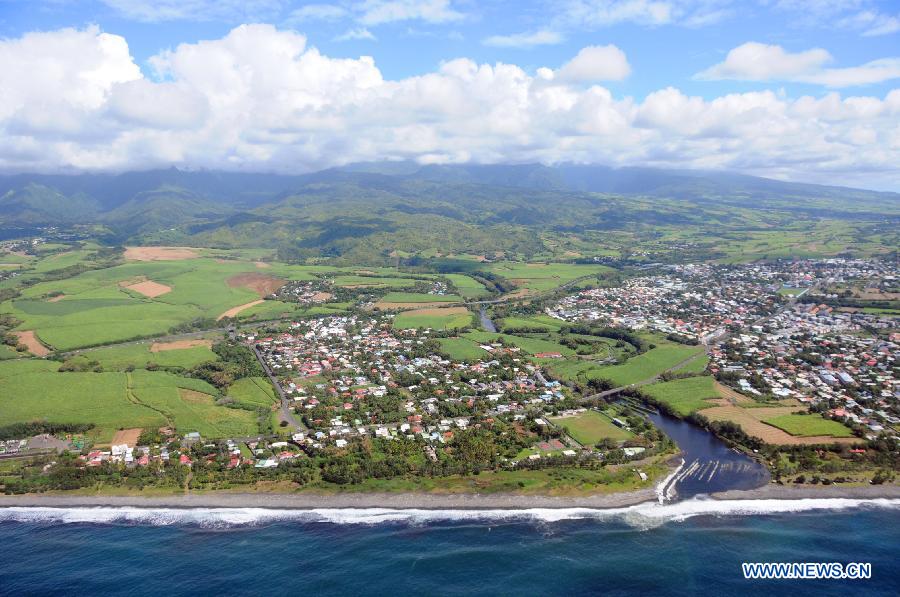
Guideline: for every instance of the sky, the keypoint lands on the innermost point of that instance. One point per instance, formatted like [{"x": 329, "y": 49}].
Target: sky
[{"x": 803, "y": 90}]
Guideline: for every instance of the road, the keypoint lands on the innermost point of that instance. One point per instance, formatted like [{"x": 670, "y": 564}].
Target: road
[{"x": 285, "y": 409}]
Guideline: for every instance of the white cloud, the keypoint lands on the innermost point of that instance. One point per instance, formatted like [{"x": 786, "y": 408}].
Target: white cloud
[
  {"x": 604, "y": 13},
  {"x": 864, "y": 16},
  {"x": 154, "y": 11},
  {"x": 317, "y": 12},
  {"x": 377, "y": 12},
  {"x": 261, "y": 99},
  {"x": 524, "y": 40},
  {"x": 754, "y": 61},
  {"x": 595, "y": 63},
  {"x": 359, "y": 33}
]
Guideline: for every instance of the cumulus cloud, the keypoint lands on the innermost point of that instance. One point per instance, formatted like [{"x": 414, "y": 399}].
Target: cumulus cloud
[
  {"x": 754, "y": 61},
  {"x": 262, "y": 99},
  {"x": 524, "y": 40},
  {"x": 595, "y": 63}
]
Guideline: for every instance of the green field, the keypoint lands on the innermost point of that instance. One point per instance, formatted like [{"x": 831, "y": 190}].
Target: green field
[
  {"x": 590, "y": 427},
  {"x": 809, "y": 425},
  {"x": 529, "y": 345},
  {"x": 647, "y": 365},
  {"x": 539, "y": 322},
  {"x": 434, "y": 319},
  {"x": 540, "y": 277},
  {"x": 468, "y": 287},
  {"x": 115, "y": 400},
  {"x": 462, "y": 349},
  {"x": 685, "y": 396},
  {"x": 253, "y": 391},
  {"x": 139, "y": 355}
]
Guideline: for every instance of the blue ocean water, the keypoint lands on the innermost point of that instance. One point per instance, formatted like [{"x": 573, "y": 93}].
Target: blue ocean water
[{"x": 678, "y": 549}]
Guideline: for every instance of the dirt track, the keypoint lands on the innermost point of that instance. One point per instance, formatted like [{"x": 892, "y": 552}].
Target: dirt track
[
  {"x": 30, "y": 339},
  {"x": 235, "y": 310}
]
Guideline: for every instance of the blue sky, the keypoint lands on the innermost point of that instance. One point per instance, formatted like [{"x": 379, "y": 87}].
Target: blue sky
[{"x": 821, "y": 70}]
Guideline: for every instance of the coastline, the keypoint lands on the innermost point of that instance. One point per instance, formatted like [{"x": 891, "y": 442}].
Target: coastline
[{"x": 425, "y": 501}]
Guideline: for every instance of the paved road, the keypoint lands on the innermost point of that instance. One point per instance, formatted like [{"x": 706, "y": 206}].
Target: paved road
[{"x": 285, "y": 409}]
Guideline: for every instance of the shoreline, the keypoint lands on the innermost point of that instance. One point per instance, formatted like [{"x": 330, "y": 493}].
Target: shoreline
[{"x": 424, "y": 501}]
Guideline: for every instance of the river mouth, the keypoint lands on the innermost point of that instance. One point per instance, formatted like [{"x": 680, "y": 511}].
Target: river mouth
[{"x": 709, "y": 465}]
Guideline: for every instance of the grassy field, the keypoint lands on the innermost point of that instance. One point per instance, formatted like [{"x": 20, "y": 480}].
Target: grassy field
[
  {"x": 530, "y": 345},
  {"x": 540, "y": 277},
  {"x": 462, "y": 349},
  {"x": 590, "y": 427},
  {"x": 647, "y": 365},
  {"x": 253, "y": 391},
  {"x": 685, "y": 396},
  {"x": 541, "y": 322},
  {"x": 468, "y": 287},
  {"x": 809, "y": 425},
  {"x": 114, "y": 400},
  {"x": 437, "y": 318},
  {"x": 139, "y": 355}
]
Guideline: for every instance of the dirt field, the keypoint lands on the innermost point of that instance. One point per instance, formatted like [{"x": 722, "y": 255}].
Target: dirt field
[
  {"x": 56, "y": 298},
  {"x": 261, "y": 284},
  {"x": 397, "y": 306},
  {"x": 159, "y": 253},
  {"x": 440, "y": 311},
  {"x": 150, "y": 288},
  {"x": 262, "y": 264},
  {"x": 178, "y": 345},
  {"x": 128, "y": 437},
  {"x": 750, "y": 420},
  {"x": 321, "y": 297},
  {"x": 731, "y": 395},
  {"x": 29, "y": 339},
  {"x": 235, "y": 310},
  {"x": 192, "y": 396}
]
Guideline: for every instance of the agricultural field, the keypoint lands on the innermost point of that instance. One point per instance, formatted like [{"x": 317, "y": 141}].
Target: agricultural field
[
  {"x": 114, "y": 400},
  {"x": 685, "y": 396},
  {"x": 754, "y": 421},
  {"x": 462, "y": 349},
  {"x": 527, "y": 344},
  {"x": 647, "y": 365},
  {"x": 590, "y": 427},
  {"x": 446, "y": 318},
  {"x": 253, "y": 391},
  {"x": 536, "y": 322},
  {"x": 533, "y": 278},
  {"x": 182, "y": 354},
  {"x": 809, "y": 425},
  {"x": 468, "y": 288}
]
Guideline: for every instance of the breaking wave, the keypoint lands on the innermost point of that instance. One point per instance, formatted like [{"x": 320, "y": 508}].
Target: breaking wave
[{"x": 642, "y": 516}]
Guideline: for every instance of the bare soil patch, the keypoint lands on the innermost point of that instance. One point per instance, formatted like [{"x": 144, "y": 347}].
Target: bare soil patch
[
  {"x": 262, "y": 264},
  {"x": 388, "y": 306},
  {"x": 235, "y": 310},
  {"x": 750, "y": 420},
  {"x": 160, "y": 253},
  {"x": 261, "y": 284},
  {"x": 129, "y": 437},
  {"x": 731, "y": 395},
  {"x": 178, "y": 345},
  {"x": 149, "y": 288},
  {"x": 321, "y": 297},
  {"x": 194, "y": 397},
  {"x": 30, "y": 340},
  {"x": 56, "y": 298},
  {"x": 440, "y": 310}
]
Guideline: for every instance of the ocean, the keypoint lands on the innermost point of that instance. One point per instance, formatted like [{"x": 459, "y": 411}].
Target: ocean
[{"x": 682, "y": 548}]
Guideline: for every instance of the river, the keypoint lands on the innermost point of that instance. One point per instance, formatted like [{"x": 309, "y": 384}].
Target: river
[
  {"x": 486, "y": 322},
  {"x": 709, "y": 465}
]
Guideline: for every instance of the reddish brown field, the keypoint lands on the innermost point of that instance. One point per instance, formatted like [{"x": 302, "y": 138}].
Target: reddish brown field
[
  {"x": 261, "y": 284},
  {"x": 149, "y": 288},
  {"x": 178, "y": 345},
  {"x": 235, "y": 310},
  {"x": 159, "y": 253},
  {"x": 129, "y": 437},
  {"x": 30, "y": 340}
]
